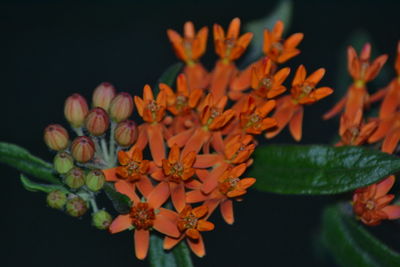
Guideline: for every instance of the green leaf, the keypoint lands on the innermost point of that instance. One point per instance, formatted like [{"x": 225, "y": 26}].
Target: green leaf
[
  {"x": 351, "y": 244},
  {"x": 179, "y": 257},
  {"x": 36, "y": 187},
  {"x": 169, "y": 75},
  {"x": 158, "y": 256},
  {"x": 317, "y": 170},
  {"x": 121, "y": 203},
  {"x": 283, "y": 11},
  {"x": 21, "y": 159}
]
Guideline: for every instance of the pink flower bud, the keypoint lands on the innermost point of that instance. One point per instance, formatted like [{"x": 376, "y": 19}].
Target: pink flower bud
[
  {"x": 102, "y": 95},
  {"x": 126, "y": 133},
  {"x": 75, "y": 110},
  {"x": 97, "y": 121},
  {"x": 121, "y": 107},
  {"x": 56, "y": 137},
  {"x": 82, "y": 149}
]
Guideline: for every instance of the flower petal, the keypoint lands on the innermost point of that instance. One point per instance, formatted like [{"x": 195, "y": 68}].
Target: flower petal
[
  {"x": 163, "y": 225},
  {"x": 121, "y": 223},
  {"x": 144, "y": 185},
  {"x": 384, "y": 186},
  {"x": 295, "y": 124},
  {"x": 203, "y": 225},
  {"x": 159, "y": 195},
  {"x": 227, "y": 211},
  {"x": 111, "y": 174},
  {"x": 156, "y": 143},
  {"x": 170, "y": 242},
  {"x": 178, "y": 195},
  {"x": 392, "y": 211},
  {"x": 128, "y": 189},
  {"x": 197, "y": 246},
  {"x": 142, "y": 240}
]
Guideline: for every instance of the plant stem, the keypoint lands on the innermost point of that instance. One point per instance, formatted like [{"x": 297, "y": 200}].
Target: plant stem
[
  {"x": 78, "y": 131},
  {"x": 111, "y": 154},
  {"x": 93, "y": 202},
  {"x": 105, "y": 149}
]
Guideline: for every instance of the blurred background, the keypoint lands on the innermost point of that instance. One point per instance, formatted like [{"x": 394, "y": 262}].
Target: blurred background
[{"x": 51, "y": 50}]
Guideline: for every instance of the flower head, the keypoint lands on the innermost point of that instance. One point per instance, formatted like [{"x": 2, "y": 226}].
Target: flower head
[
  {"x": 191, "y": 46},
  {"x": 371, "y": 203},
  {"x": 132, "y": 166},
  {"x": 150, "y": 109},
  {"x": 276, "y": 48},
  {"x": 230, "y": 46},
  {"x": 253, "y": 119}
]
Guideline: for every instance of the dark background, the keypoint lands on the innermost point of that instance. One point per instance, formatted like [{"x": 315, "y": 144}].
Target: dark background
[{"x": 49, "y": 51}]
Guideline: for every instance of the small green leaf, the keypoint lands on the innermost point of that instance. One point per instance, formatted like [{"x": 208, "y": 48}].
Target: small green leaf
[
  {"x": 351, "y": 244},
  {"x": 317, "y": 170},
  {"x": 36, "y": 187},
  {"x": 158, "y": 256},
  {"x": 21, "y": 159},
  {"x": 169, "y": 75},
  {"x": 178, "y": 257},
  {"x": 121, "y": 203},
  {"x": 283, "y": 11}
]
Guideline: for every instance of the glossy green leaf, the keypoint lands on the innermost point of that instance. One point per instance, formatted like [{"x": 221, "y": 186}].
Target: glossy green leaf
[
  {"x": 169, "y": 75},
  {"x": 296, "y": 169},
  {"x": 21, "y": 159},
  {"x": 37, "y": 187},
  {"x": 121, "y": 203},
  {"x": 283, "y": 11},
  {"x": 351, "y": 244},
  {"x": 178, "y": 257}
]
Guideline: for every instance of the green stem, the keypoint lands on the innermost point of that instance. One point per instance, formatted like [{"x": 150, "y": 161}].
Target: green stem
[
  {"x": 105, "y": 149},
  {"x": 78, "y": 131},
  {"x": 111, "y": 154},
  {"x": 93, "y": 202}
]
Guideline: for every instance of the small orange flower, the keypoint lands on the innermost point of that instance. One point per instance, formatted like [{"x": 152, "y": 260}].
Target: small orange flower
[
  {"x": 133, "y": 171},
  {"x": 253, "y": 119},
  {"x": 143, "y": 217},
  {"x": 357, "y": 134},
  {"x": 191, "y": 46},
  {"x": 277, "y": 49},
  {"x": 371, "y": 203},
  {"x": 230, "y": 46},
  {"x": 362, "y": 71},
  {"x": 228, "y": 187},
  {"x": 190, "y": 223},
  {"x": 304, "y": 92},
  {"x": 176, "y": 170},
  {"x": 184, "y": 100},
  {"x": 152, "y": 111}
]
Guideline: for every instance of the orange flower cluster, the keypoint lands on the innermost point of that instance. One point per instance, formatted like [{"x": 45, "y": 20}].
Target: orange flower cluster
[
  {"x": 201, "y": 134},
  {"x": 371, "y": 204}
]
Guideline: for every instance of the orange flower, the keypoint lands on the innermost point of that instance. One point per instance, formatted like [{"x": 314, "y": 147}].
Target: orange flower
[
  {"x": 190, "y": 224},
  {"x": 152, "y": 111},
  {"x": 277, "y": 49},
  {"x": 212, "y": 119},
  {"x": 228, "y": 187},
  {"x": 145, "y": 216},
  {"x": 303, "y": 92},
  {"x": 390, "y": 94},
  {"x": 357, "y": 134},
  {"x": 192, "y": 46},
  {"x": 371, "y": 203},
  {"x": 176, "y": 170},
  {"x": 362, "y": 71},
  {"x": 253, "y": 119},
  {"x": 265, "y": 82},
  {"x": 389, "y": 130},
  {"x": 132, "y": 171},
  {"x": 229, "y": 47},
  {"x": 184, "y": 100}
]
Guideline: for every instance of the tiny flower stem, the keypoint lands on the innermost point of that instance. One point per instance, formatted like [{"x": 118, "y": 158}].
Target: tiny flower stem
[
  {"x": 111, "y": 155},
  {"x": 105, "y": 149},
  {"x": 99, "y": 151},
  {"x": 78, "y": 131},
  {"x": 93, "y": 202}
]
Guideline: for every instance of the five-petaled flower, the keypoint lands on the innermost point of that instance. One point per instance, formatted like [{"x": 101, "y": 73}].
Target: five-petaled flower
[{"x": 371, "y": 203}]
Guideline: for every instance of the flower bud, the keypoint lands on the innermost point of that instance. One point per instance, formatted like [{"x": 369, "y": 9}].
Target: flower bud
[
  {"x": 75, "y": 110},
  {"x": 121, "y": 107},
  {"x": 103, "y": 95},
  {"x": 97, "y": 121},
  {"x": 63, "y": 162},
  {"x": 94, "y": 180},
  {"x": 82, "y": 149},
  {"x": 56, "y": 199},
  {"x": 101, "y": 219},
  {"x": 56, "y": 137},
  {"x": 75, "y": 178},
  {"x": 126, "y": 133},
  {"x": 76, "y": 206}
]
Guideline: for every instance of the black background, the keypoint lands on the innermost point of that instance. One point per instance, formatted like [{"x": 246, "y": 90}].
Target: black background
[{"x": 49, "y": 51}]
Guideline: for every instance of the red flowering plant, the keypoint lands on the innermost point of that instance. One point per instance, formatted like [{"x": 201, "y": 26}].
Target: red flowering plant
[{"x": 189, "y": 151}]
